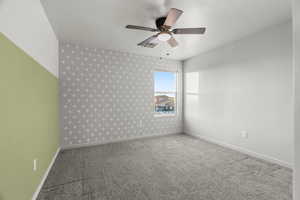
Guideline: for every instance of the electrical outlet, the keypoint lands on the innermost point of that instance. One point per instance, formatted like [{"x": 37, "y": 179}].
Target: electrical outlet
[
  {"x": 35, "y": 162},
  {"x": 244, "y": 134}
]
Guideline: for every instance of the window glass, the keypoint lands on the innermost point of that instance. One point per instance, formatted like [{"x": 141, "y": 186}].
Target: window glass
[{"x": 165, "y": 86}]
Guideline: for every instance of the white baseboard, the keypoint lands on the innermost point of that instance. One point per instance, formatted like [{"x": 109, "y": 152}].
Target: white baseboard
[
  {"x": 74, "y": 146},
  {"x": 242, "y": 150},
  {"x": 35, "y": 195}
]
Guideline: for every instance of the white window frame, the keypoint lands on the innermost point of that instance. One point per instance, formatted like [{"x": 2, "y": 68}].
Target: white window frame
[{"x": 176, "y": 94}]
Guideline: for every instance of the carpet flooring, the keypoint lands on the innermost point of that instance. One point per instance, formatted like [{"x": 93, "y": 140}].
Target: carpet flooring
[{"x": 175, "y": 167}]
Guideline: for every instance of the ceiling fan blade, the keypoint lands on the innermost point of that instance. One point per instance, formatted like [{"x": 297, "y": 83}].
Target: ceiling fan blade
[
  {"x": 150, "y": 42},
  {"x": 142, "y": 28},
  {"x": 172, "y": 17},
  {"x": 189, "y": 30},
  {"x": 172, "y": 42}
]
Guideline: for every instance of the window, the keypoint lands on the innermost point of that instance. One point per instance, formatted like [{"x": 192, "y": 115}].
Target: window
[{"x": 165, "y": 93}]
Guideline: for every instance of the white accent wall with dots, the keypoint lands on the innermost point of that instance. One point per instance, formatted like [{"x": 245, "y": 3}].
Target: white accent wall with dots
[{"x": 108, "y": 96}]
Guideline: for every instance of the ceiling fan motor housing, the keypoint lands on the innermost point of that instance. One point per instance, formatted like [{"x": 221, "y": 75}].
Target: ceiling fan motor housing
[{"x": 160, "y": 22}]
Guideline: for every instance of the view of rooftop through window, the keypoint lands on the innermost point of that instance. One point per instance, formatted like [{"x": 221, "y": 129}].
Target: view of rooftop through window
[{"x": 165, "y": 92}]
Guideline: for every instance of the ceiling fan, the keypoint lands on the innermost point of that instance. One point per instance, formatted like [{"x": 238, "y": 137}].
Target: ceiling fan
[{"x": 165, "y": 33}]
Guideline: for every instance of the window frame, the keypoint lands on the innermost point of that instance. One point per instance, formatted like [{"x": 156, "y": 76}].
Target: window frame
[{"x": 175, "y": 94}]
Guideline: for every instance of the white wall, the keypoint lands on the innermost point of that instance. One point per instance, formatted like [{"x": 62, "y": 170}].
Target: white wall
[
  {"x": 296, "y": 20},
  {"x": 244, "y": 86},
  {"x": 26, "y": 24}
]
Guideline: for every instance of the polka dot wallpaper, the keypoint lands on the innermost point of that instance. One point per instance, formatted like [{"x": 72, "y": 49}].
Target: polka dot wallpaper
[{"x": 107, "y": 96}]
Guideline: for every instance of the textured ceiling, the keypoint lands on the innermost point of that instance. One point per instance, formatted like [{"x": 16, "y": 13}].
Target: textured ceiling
[{"x": 100, "y": 23}]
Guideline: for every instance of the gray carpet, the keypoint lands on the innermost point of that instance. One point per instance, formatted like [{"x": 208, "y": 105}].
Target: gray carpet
[{"x": 176, "y": 167}]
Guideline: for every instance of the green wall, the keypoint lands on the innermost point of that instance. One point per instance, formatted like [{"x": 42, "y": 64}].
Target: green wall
[{"x": 28, "y": 121}]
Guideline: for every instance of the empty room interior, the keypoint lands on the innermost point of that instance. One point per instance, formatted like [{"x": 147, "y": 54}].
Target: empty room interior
[{"x": 149, "y": 100}]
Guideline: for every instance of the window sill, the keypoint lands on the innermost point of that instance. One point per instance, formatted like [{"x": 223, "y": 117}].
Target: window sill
[{"x": 164, "y": 115}]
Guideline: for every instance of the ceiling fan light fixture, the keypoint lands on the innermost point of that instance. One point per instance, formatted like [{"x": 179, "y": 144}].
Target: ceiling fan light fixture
[{"x": 164, "y": 36}]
